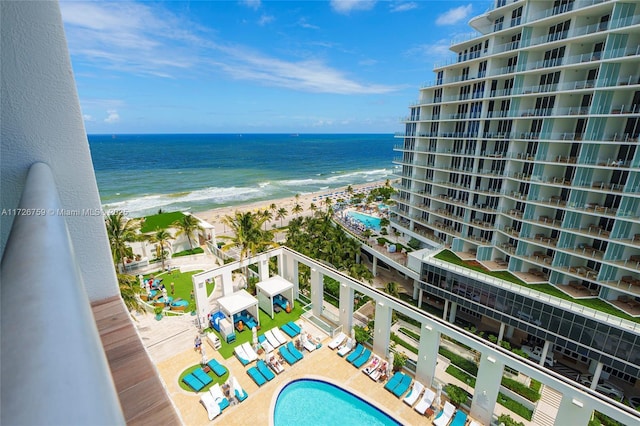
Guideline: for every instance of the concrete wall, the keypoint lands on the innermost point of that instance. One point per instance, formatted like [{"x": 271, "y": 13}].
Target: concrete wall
[{"x": 41, "y": 121}]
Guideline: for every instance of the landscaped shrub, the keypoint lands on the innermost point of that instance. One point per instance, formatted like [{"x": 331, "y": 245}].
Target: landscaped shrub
[
  {"x": 456, "y": 394},
  {"x": 196, "y": 250},
  {"x": 464, "y": 377},
  {"x": 464, "y": 364},
  {"x": 414, "y": 243},
  {"x": 410, "y": 333},
  {"x": 507, "y": 420},
  {"x": 514, "y": 406},
  {"x": 521, "y": 389},
  {"x": 395, "y": 338}
]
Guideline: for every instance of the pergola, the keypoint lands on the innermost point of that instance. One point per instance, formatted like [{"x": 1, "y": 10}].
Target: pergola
[
  {"x": 238, "y": 302},
  {"x": 266, "y": 290}
]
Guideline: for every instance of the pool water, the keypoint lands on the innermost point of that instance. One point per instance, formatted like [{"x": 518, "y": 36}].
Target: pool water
[
  {"x": 315, "y": 402},
  {"x": 370, "y": 222}
]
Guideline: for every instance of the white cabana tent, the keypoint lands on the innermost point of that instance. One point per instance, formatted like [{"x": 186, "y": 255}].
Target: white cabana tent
[
  {"x": 238, "y": 302},
  {"x": 268, "y": 289}
]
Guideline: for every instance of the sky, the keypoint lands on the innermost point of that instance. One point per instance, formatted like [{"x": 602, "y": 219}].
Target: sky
[{"x": 257, "y": 66}]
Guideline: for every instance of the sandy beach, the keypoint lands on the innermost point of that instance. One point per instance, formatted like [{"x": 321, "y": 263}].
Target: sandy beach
[{"x": 215, "y": 216}]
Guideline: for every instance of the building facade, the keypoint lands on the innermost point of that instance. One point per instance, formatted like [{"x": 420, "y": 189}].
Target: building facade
[{"x": 522, "y": 155}]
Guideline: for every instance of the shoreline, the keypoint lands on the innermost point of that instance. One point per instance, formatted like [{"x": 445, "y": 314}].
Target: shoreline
[{"x": 214, "y": 216}]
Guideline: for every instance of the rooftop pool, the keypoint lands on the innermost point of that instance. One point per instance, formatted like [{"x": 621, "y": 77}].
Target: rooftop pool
[
  {"x": 369, "y": 221},
  {"x": 316, "y": 402}
]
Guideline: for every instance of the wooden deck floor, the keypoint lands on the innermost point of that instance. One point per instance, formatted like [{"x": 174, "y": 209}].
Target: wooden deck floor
[{"x": 143, "y": 397}]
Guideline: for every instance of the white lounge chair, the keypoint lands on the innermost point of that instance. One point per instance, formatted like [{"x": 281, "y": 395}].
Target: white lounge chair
[
  {"x": 445, "y": 415},
  {"x": 337, "y": 341},
  {"x": 306, "y": 343},
  {"x": 213, "y": 409},
  {"x": 240, "y": 393},
  {"x": 426, "y": 401},
  {"x": 242, "y": 355},
  {"x": 474, "y": 423},
  {"x": 346, "y": 348},
  {"x": 271, "y": 339},
  {"x": 378, "y": 372},
  {"x": 266, "y": 346},
  {"x": 278, "y": 335},
  {"x": 275, "y": 365},
  {"x": 251, "y": 354},
  {"x": 372, "y": 366},
  {"x": 414, "y": 394}
]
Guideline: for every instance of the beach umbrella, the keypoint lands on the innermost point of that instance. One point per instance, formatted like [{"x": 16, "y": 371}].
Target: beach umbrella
[
  {"x": 353, "y": 333},
  {"x": 390, "y": 363},
  {"x": 141, "y": 278},
  {"x": 205, "y": 359},
  {"x": 438, "y": 399},
  {"x": 255, "y": 338}
]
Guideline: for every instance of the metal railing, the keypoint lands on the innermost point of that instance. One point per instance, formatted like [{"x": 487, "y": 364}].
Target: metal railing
[{"x": 54, "y": 369}]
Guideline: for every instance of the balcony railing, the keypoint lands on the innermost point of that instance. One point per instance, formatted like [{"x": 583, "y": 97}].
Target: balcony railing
[{"x": 54, "y": 369}]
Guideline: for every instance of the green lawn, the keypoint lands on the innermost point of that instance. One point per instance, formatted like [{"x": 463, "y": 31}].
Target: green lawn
[
  {"x": 266, "y": 323},
  {"x": 183, "y": 285},
  {"x": 159, "y": 221},
  {"x": 593, "y": 303}
]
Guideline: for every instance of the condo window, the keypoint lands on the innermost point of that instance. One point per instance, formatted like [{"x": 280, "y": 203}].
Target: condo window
[
  {"x": 497, "y": 25},
  {"x": 516, "y": 16},
  {"x": 561, "y": 6},
  {"x": 558, "y": 32}
]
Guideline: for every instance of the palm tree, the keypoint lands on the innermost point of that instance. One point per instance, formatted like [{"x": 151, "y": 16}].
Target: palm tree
[
  {"x": 282, "y": 213},
  {"x": 129, "y": 291},
  {"x": 267, "y": 215},
  {"x": 162, "y": 237},
  {"x": 350, "y": 191},
  {"x": 187, "y": 226},
  {"x": 327, "y": 202},
  {"x": 392, "y": 289},
  {"x": 313, "y": 207},
  {"x": 121, "y": 231},
  {"x": 297, "y": 209}
]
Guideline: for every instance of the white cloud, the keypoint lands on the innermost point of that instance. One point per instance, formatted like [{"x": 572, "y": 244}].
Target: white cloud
[
  {"x": 453, "y": 16},
  {"x": 265, "y": 19},
  {"x": 403, "y": 7},
  {"x": 252, "y": 4},
  {"x": 304, "y": 24},
  {"x": 87, "y": 117},
  {"x": 346, "y": 6},
  {"x": 431, "y": 53},
  {"x": 113, "y": 116}
]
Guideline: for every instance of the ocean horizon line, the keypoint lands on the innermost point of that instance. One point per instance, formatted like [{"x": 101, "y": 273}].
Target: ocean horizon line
[{"x": 240, "y": 133}]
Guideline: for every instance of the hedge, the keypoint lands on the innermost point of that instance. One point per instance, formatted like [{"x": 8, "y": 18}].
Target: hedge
[
  {"x": 463, "y": 376},
  {"x": 399, "y": 341},
  {"x": 521, "y": 389},
  {"x": 515, "y": 406},
  {"x": 464, "y": 364}
]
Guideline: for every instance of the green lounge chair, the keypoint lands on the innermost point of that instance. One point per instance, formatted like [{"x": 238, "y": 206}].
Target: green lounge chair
[
  {"x": 217, "y": 368},
  {"x": 265, "y": 371},
  {"x": 256, "y": 376},
  {"x": 202, "y": 376},
  {"x": 295, "y": 352},
  {"x": 356, "y": 353}
]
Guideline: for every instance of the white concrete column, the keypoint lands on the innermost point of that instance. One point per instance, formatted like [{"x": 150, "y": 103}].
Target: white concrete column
[
  {"x": 545, "y": 350},
  {"x": 316, "y": 292},
  {"x": 487, "y": 388},
  {"x": 289, "y": 271},
  {"x": 444, "y": 310},
  {"x": 382, "y": 328},
  {"x": 427, "y": 355},
  {"x": 596, "y": 375},
  {"x": 416, "y": 289},
  {"x": 202, "y": 302},
  {"x": 227, "y": 282},
  {"x": 263, "y": 267},
  {"x": 501, "y": 332},
  {"x": 452, "y": 312},
  {"x": 572, "y": 412},
  {"x": 508, "y": 334},
  {"x": 374, "y": 266},
  {"x": 346, "y": 308},
  {"x": 420, "y": 293}
]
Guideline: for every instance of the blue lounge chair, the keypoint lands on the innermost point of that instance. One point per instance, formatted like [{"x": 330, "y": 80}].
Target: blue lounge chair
[
  {"x": 294, "y": 327},
  {"x": 359, "y": 362},
  {"x": 402, "y": 387},
  {"x": 193, "y": 382},
  {"x": 288, "y": 330},
  {"x": 202, "y": 376},
  {"x": 256, "y": 376},
  {"x": 295, "y": 352},
  {"x": 288, "y": 356},
  {"x": 394, "y": 381},
  {"x": 459, "y": 419},
  {"x": 217, "y": 368},
  {"x": 356, "y": 353},
  {"x": 265, "y": 371}
]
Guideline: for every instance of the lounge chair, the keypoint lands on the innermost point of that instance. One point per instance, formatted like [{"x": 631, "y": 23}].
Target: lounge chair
[
  {"x": 218, "y": 396},
  {"x": 362, "y": 359},
  {"x": 278, "y": 335},
  {"x": 213, "y": 409},
  {"x": 202, "y": 376},
  {"x": 474, "y": 423},
  {"x": 251, "y": 354},
  {"x": 275, "y": 365},
  {"x": 264, "y": 343},
  {"x": 444, "y": 415},
  {"x": 256, "y": 376},
  {"x": 272, "y": 339},
  {"x": 240, "y": 393},
  {"x": 265, "y": 370},
  {"x": 414, "y": 393},
  {"x": 379, "y": 372},
  {"x": 287, "y": 355},
  {"x": 295, "y": 327},
  {"x": 217, "y": 367},
  {"x": 294, "y": 351},
  {"x": 288, "y": 330},
  {"x": 375, "y": 363},
  {"x": 425, "y": 401},
  {"x": 193, "y": 382},
  {"x": 356, "y": 353},
  {"x": 241, "y": 355},
  {"x": 459, "y": 419},
  {"x": 393, "y": 382},
  {"x": 337, "y": 341},
  {"x": 402, "y": 387},
  {"x": 346, "y": 348},
  {"x": 307, "y": 344}
]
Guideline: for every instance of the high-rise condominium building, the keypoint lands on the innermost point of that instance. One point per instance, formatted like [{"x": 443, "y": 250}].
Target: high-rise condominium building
[{"x": 523, "y": 155}]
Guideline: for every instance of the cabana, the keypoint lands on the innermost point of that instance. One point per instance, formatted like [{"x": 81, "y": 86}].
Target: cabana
[
  {"x": 274, "y": 289},
  {"x": 238, "y": 302}
]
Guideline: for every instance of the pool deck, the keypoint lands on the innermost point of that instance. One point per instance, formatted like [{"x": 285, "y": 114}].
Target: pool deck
[{"x": 256, "y": 409}]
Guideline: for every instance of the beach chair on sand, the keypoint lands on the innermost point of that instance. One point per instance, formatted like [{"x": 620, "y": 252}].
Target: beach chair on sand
[
  {"x": 295, "y": 352},
  {"x": 346, "y": 348},
  {"x": 443, "y": 417},
  {"x": 414, "y": 393},
  {"x": 213, "y": 409},
  {"x": 459, "y": 419},
  {"x": 218, "y": 396},
  {"x": 288, "y": 330},
  {"x": 278, "y": 335},
  {"x": 356, "y": 353},
  {"x": 394, "y": 381},
  {"x": 425, "y": 401},
  {"x": 240, "y": 393},
  {"x": 287, "y": 355},
  {"x": 360, "y": 361},
  {"x": 256, "y": 376},
  {"x": 264, "y": 370},
  {"x": 337, "y": 341},
  {"x": 402, "y": 387}
]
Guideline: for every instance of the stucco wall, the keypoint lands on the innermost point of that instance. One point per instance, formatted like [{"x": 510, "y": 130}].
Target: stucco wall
[{"x": 41, "y": 121}]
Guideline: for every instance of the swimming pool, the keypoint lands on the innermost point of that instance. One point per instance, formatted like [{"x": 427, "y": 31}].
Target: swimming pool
[
  {"x": 371, "y": 222},
  {"x": 316, "y": 402}
]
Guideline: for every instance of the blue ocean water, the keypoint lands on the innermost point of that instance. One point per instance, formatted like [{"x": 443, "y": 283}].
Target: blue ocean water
[{"x": 193, "y": 172}]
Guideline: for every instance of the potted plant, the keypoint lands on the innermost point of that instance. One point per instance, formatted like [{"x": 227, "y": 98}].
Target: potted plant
[
  {"x": 456, "y": 394},
  {"x": 399, "y": 360},
  {"x": 158, "y": 311}
]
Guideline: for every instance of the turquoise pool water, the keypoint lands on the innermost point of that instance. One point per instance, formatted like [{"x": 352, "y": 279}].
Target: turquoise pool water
[
  {"x": 315, "y": 402},
  {"x": 371, "y": 222}
]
